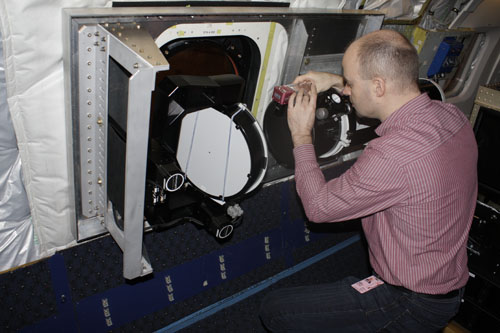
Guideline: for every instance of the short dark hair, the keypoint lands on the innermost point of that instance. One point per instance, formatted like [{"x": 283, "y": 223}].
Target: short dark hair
[{"x": 388, "y": 54}]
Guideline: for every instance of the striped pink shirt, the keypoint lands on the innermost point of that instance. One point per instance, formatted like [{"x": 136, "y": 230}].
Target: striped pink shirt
[{"x": 414, "y": 187}]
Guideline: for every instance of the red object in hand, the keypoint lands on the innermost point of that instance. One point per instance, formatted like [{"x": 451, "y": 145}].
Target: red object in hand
[{"x": 281, "y": 94}]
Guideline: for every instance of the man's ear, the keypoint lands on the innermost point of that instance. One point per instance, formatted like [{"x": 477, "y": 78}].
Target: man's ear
[{"x": 379, "y": 86}]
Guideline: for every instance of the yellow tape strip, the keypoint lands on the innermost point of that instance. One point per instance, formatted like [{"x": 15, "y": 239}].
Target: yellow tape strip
[
  {"x": 263, "y": 70},
  {"x": 419, "y": 37}
]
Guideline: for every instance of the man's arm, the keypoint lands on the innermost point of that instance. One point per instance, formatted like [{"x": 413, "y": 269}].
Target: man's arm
[
  {"x": 322, "y": 80},
  {"x": 301, "y": 114},
  {"x": 372, "y": 184},
  {"x": 302, "y": 105}
]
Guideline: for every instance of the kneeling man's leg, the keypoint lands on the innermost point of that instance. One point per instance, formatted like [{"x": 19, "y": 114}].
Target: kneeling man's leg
[{"x": 324, "y": 307}]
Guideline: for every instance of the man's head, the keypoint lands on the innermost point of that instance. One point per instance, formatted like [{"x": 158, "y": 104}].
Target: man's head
[
  {"x": 388, "y": 54},
  {"x": 381, "y": 72}
]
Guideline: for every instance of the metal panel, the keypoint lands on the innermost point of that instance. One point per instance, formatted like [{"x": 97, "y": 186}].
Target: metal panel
[
  {"x": 323, "y": 63},
  {"x": 486, "y": 97},
  {"x": 92, "y": 118},
  {"x": 136, "y": 51},
  {"x": 295, "y": 53}
]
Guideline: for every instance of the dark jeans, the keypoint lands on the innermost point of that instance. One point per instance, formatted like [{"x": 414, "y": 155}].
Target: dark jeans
[{"x": 337, "y": 307}]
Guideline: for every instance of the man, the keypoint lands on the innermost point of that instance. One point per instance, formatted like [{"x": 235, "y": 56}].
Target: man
[{"x": 414, "y": 187}]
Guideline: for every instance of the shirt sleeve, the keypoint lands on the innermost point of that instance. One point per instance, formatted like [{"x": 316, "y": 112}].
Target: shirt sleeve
[{"x": 374, "y": 183}]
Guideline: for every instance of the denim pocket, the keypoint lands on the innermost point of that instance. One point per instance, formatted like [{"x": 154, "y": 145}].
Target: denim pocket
[
  {"x": 407, "y": 323},
  {"x": 432, "y": 311}
]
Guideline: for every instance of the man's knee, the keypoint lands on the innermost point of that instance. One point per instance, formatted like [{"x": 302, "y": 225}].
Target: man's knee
[{"x": 270, "y": 309}]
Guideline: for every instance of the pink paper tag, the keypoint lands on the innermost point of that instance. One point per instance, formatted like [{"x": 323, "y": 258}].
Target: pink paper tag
[{"x": 367, "y": 284}]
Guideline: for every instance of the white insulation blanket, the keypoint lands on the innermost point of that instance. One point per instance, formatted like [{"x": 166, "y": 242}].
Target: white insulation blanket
[
  {"x": 32, "y": 45},
  {"x": 17, "y": 242}
]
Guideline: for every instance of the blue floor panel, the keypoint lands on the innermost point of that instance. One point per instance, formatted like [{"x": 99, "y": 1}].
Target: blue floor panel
[{"x": 198, "y": 284}]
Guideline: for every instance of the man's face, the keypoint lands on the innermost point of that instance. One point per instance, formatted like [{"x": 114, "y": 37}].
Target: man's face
[{"x": 357, "y": 88}]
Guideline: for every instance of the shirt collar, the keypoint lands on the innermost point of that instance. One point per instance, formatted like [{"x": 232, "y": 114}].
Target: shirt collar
[{"x": 402, "y": 113}]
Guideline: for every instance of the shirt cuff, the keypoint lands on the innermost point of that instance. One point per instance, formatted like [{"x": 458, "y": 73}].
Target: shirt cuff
[{"x": 304, "y": 153}]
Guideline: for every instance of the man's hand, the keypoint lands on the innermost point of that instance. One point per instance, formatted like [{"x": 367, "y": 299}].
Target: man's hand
[
  {"x": 322, "y": 80},
  {"x": 301, "y": 114}
]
